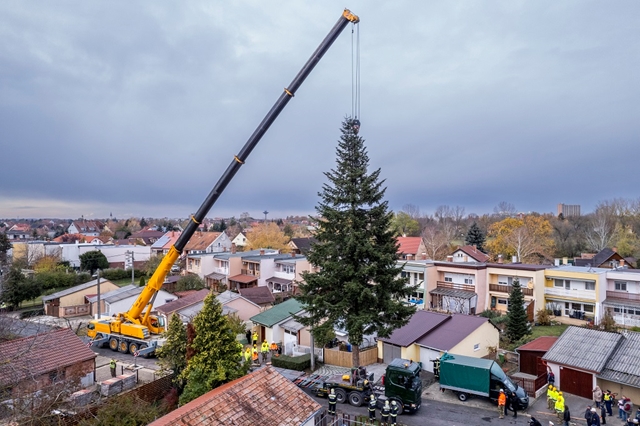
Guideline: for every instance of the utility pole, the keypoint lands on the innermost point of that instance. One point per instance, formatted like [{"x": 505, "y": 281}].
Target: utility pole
[
  {"x": 98, "y": 293},
  {"x": 132, "y": 269}
]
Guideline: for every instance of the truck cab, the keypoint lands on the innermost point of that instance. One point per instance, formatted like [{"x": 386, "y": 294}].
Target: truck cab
[
  {"x": 402, "y": 383},
  {"x": 499, "y": 380}
]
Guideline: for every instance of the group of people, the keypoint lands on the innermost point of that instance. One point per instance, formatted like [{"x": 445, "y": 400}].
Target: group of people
[
  {"x": 506, "y": 402},
  {"x": 556, "y": 403},
  {"x": 388, "y": 412},
  {"x": 253, "y": 353}
]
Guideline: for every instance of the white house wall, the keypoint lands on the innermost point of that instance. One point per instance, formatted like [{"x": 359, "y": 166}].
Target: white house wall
[{"x": 124, "y": 305}]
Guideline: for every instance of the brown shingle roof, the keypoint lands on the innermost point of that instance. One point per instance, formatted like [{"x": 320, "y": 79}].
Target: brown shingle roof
[
  {"x": 40, "y": 354},
  {"x": 473, "y": 253},
  {"x": 258, "y": 295},
  {"x": 201, "y": 240},
  {"x": 264, "y": 397},
  {"x": 542, "y": 343},
  {"x": 183, "y": 302}
]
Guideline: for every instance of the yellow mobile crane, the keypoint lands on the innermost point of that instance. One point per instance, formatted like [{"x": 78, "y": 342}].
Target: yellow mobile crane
[{"x": 132, "y": 331}]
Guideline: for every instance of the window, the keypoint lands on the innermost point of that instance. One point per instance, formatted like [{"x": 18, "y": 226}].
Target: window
[
  {"x": 421, "y": 276},
  {"x": 503, "y": 301},
  {"x": 587, "y": 308},
  {"x": 405, "y": 274},
  {"x": 448, "y": 279},
  {"x": 621, "y": 285},
  {"x": 468, "y": 280},
  {"x": 558, "y": 283},
  {"x": 589, "y": 285},
  {"x": 476, "y": 347}
]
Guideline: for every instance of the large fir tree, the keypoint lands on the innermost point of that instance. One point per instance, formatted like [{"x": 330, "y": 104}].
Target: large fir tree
[
  {"x": 476, "y": 237},
  {"x": 517, "y": 324},
  {"x": 215, "y": 360},
  {"x": 358, "y": 286},
  {"x": 173, "y": 354}
]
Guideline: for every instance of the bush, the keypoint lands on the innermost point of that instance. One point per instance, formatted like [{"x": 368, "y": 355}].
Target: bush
[
  {"x": 116, "y": 274},
  {"x": 543, "y": 316},
  {"x": 298, "y": 363},
  {"x": 635, "y": 328},
  {"x": 83, "y": 277},
  {"x": 489, "y": 313}
]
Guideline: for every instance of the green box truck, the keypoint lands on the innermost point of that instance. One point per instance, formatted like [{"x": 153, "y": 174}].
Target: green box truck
[{"x": 467, "y": 376}]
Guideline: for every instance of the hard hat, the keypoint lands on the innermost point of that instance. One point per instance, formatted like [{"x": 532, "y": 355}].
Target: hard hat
[
  {"x": 550, "y": 386},
  {"x": 386, "y": 403},
  {"x": 372, "y": 397},
  {"x": 560, "y": 393},
  {"x": 332, "y": 391},
  {"x": 593, "y": 409},
  {"x": 502, "y": 390},
  {"x": 393, "y": 402}
]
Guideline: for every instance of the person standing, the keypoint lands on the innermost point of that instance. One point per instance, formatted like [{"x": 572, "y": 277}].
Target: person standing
[
  {"x": 566, "y": 415},
  {"x": 560, "y": 406},
  {"x": 597, "y": 396},
  {"x": 595, "y": 419},
  {"x": 588, "y": 416},
  {"x": 333, "y": 399},
  {"x": 373, "y": 404},
  {"x": 384, "y": 413},
  {"x": 394, "y": 412},
  {"x": 502, "y": 402},
  {"x": 513, "y": 401},
  {"x": 248, "y": 336},
  {"x": 255, "y": 338},
  {"x": 627, "y": 407},
  {"x": 554, "y": 396},
  {"x": 608, "y": 399},
  {"x": 550, "y": 401},
  {"x": 265, "y": 350},
  {"x": 247, "y": 354},
  {"x": 551, "y": 378},
  {"x": 603, "y": 414},
  {"x": 112, "y": 367}
]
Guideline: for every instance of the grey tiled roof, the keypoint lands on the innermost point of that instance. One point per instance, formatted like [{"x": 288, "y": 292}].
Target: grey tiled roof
[
  {"x": 623, "y": 366},
  {"x": 72, "y": 290},
  {"x": 583, "y": 348}
]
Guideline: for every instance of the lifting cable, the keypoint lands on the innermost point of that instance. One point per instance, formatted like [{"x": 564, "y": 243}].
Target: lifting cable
[{"x": 355, "y": 72}]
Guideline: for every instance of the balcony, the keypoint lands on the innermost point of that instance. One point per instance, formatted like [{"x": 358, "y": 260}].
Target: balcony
[
  {"x": 223, "y": 271},
  {"x": 250, "y": 272},
  {"x": 456, "y": 286},
  {"x": 613, "y": 294},
  {"x": 589, "y": 295},
  {"x": 500, "y": 288},
  {"x": 285, "y": 275}
]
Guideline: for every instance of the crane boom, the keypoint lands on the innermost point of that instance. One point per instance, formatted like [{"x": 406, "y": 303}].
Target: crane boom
[{"x": 134, "y": 315}]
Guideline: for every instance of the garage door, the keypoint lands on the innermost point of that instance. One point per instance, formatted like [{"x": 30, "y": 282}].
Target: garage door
[
  {"x": 390, "y": 352},
  {"x": 576, "y": 382},
  {"x": 426, "y": 357}
]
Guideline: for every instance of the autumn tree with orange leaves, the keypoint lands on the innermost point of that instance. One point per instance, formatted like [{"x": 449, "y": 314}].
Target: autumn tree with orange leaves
[{"x": 527, "y": 238}]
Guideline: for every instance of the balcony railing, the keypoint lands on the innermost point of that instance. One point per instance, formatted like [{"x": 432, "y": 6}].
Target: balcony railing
[
  {"x": 622, "y": 295},
  {"x": 284, "y": 275},
  {"x": 573, "y": 293},
  {"x": 250, "y": 272},
  {"x": 500, "y": 288},
  {"x": 224, "y": 271},
  {"x": 456, "y": 286}
]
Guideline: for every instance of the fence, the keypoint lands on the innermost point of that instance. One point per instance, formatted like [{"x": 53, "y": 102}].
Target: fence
[
  {"x": 531, "y": 385},
  {"x": 368, "y": 356},
  {"x": 343, "y": 419}
]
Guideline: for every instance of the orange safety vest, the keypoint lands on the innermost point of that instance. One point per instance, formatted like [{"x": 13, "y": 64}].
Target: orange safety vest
[{"x": 502, "y": 399}]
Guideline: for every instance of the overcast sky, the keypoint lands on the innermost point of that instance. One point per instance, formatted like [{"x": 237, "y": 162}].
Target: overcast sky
[{"x": 136, "y": 108}]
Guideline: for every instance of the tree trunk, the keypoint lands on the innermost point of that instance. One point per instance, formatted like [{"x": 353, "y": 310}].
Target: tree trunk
[{"x": 355, "y": 356}]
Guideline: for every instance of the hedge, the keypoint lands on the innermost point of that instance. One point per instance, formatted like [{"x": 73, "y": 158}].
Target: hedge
[{"x": 298, "y": 363}]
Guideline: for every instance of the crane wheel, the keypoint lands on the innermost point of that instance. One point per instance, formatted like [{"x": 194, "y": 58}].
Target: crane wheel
[
  {"x": 133, "y": 347},
  {"x": 113, "y": 344},
  {"x": 141, "y": 347},
  {"x": 123, "y": 347}
]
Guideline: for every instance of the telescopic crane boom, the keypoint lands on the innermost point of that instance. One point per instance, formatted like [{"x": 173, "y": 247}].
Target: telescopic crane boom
[{"x": 138, "y": 322}]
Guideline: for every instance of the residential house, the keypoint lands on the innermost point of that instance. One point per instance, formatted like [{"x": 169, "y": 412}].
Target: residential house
[
  {"x": 500, "y": 278},
  {"x": 621, "y": 373},
  {"x": 244, "y": 308},
  {"x": 183, "y": 306},
  {"x": 457, "y": 287},
  {"x": 73, "y": 301},
  {"x": 35, "y": 363},
  {"x": 88, "y": 228},
  {"x": 122, "y": 299},
  {"x": 218, "y": 268},
  {"x": 605, "y": 258},
  {"x": 575, "y": 292},
  {"x": 278, "y": 325},
  {"x": 260, "y": 296},
  {"x": 240, "y": 240},
  {"x": 622, "y": 300},
  {"x": 19, "y": 232},
  {"x": 467, "y": 253},
  {"x": 429, "y": 334},
  {"x": 207, "y": 242},
  {"x": 301, "y": 245},
  {"x": 249, "y": 264},
  {"x": 415, "y": 272},
  {"x": 579, "y": 356},
  {"x": 119, "y": 256},
  {"x": 530, "y": 359},
  {"x": 164, "y": 243},
  {"x": 263, "y": 396},
  {"x": 145, "y": 237},
  {"x": 411, "y": 248}
]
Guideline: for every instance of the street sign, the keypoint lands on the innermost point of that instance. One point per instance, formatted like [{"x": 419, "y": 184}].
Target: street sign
[
  {"x": 89, "y": 344},
  {"x": 136, "y": 353}
]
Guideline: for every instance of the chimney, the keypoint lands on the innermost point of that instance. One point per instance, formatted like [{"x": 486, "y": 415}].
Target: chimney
[
  {"x": 514, "y": 259},
  {"x": 565, "y": 260},
  {"x": 261, "y": 252},
  {"x": 622, "y": 263},
  {"x": 475, "y": 247},
  {"x": 615, "y": 249},
  {"x": 499, "y": 258},
  {"x": 424, "y": 256},
  {"x": 293, "y": 253},
  {"x": 233, "y": 248},
  {"x": 556, "y": 262},
  {"x": 449, "y": 258}
]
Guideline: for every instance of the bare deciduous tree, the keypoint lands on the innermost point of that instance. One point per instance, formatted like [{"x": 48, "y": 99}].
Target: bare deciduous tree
[
  {"x": 602, "y": 225},
  {"x": 436, "y": 241}
]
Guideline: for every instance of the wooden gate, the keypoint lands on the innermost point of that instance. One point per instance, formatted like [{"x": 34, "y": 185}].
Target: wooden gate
[
  {"x": 390, "y": 352},
  {"x": 576, "y": 382}
]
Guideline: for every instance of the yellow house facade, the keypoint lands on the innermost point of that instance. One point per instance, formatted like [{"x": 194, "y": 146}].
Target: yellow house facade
[
  {"x": 500, "y": 279},
  {"x": 575, "y": 292}
]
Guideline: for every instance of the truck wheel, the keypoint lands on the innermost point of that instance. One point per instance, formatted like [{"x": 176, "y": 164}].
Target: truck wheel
[
  {"x": 141, "y": 347},
  {"x": 463, "y": 396},
  {"x": 123, "y": 347},
  {"x": 133, "y": 347},
  {"x": 399, "y": 405},
  {"x": 99, "y": 336},
  {"x": 355, "y": 399},
  {"x": 113, "y": 344},
  {"x": 341, "y": 395}
]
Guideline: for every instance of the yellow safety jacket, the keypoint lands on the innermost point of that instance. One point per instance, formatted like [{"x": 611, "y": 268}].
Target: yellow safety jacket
[
  {"x": 560, "y": 403},
  {"x": 554, "y": 395},
  {"x": 265, "y": 347},
  {"x": 549, "y": 393}
]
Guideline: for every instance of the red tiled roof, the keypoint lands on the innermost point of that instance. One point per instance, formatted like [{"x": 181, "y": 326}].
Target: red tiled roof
[
  {"x": 201, "y": 240},
  {"x": 40, "y": 354},
  {"x": 244, "y": 279},
  {"x": 543, "y": 343},
  {"x": 409, "y": 245},
  {"x": 473, "y": 253},
  {"x": 264, "y": 397},
  {"x": 258, "y": 295},
  {"x": 183, "y": 302}
]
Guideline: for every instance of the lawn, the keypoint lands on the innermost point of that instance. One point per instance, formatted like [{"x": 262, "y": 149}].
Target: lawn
[{"x": 547, "y": 330}]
